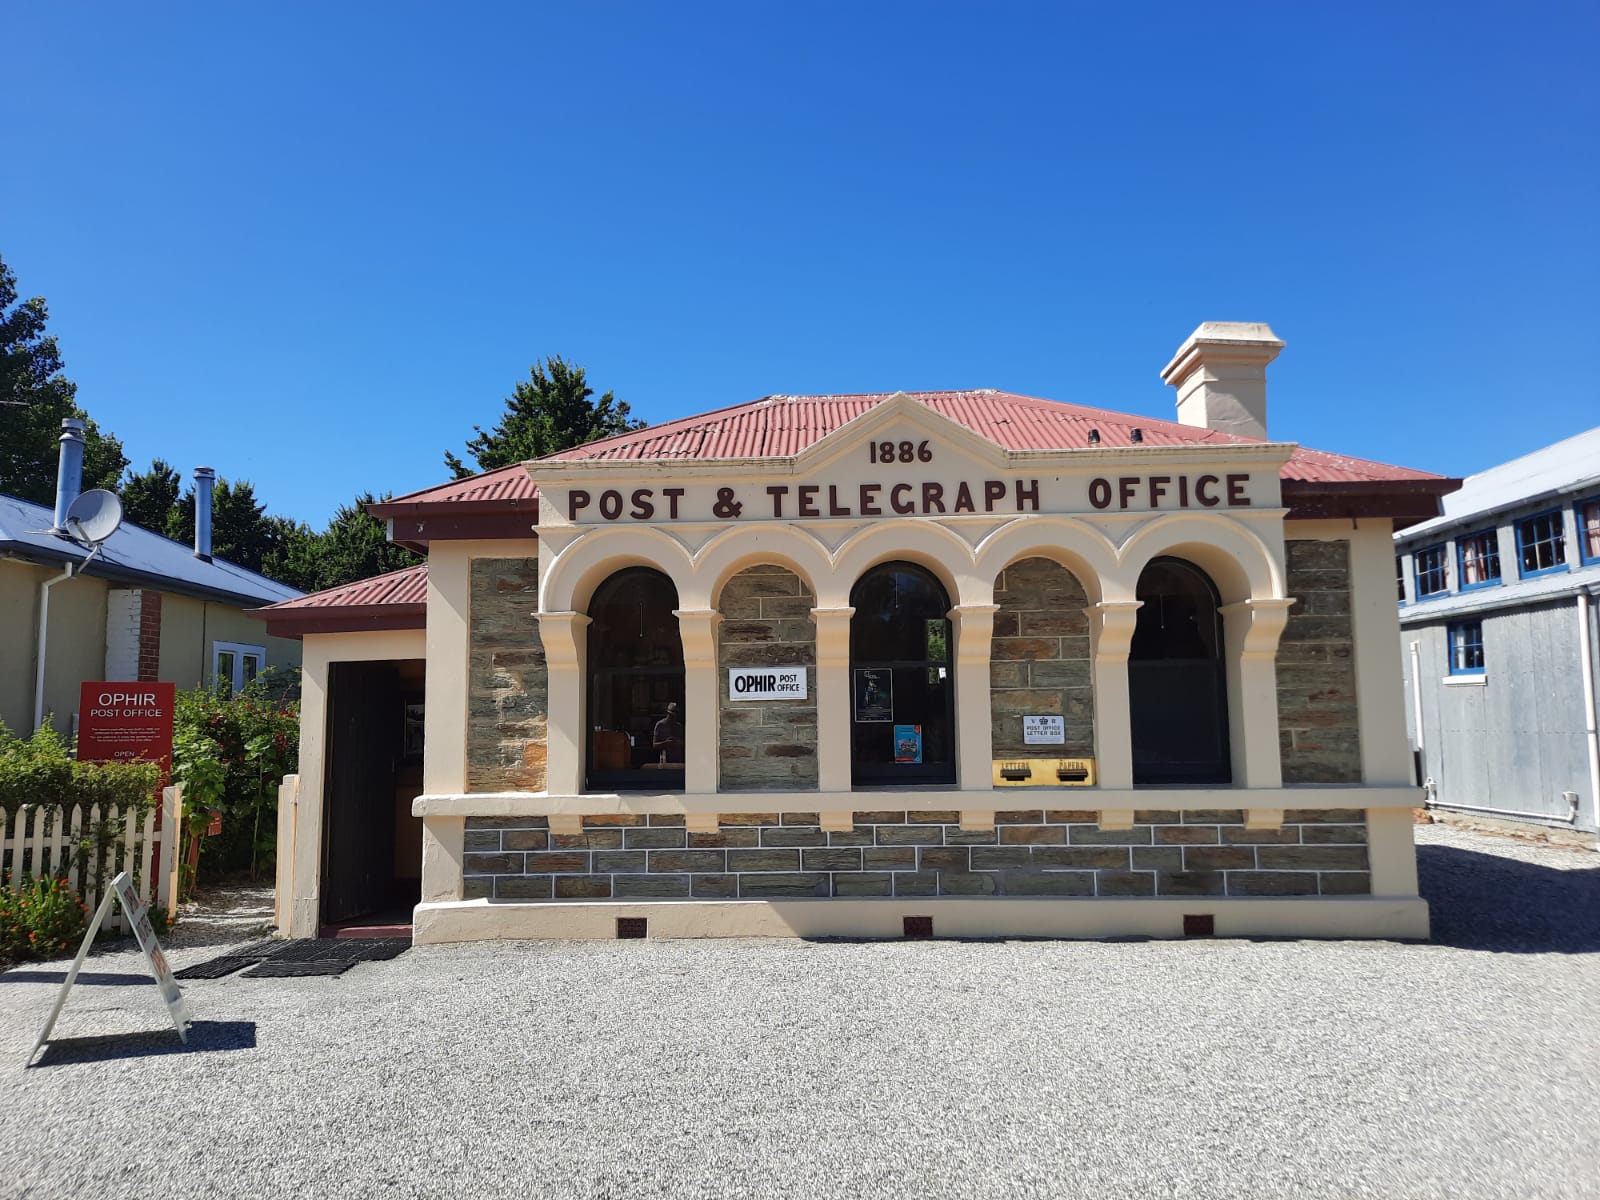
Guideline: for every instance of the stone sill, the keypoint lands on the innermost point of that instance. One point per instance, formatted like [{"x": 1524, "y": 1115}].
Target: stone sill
[{"x": 988, "y": 800}]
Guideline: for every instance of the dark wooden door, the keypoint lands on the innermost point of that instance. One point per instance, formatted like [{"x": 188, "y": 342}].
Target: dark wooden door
[
  {"x": 1177, "y": 683},
  {"x": 365, "y": 728}
]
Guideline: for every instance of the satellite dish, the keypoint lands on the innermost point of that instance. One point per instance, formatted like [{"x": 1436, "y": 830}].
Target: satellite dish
[{"x": 95, "y": 516}]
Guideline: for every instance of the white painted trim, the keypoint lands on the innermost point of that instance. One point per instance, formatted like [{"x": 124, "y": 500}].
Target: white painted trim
[{"x": 990, "y": 917}]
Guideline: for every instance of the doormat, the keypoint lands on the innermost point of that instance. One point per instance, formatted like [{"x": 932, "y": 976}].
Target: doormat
[
  {"x": 319, "y": 956},
  {"x": 274, "y": 968},
  {"x": 216, "y": 968}
]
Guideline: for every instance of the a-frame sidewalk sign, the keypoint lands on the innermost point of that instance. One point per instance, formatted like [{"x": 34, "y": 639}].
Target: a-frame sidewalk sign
[{"x": 121, "y": 889}]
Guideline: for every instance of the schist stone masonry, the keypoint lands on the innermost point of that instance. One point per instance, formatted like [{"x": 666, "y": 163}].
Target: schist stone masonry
[{"x": 852, "y": 665}]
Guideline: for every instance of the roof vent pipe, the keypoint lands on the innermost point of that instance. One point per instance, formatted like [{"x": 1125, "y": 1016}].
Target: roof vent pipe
[
  {"x": 69, "y": 475},
  {"x": 204, "y": 478}
]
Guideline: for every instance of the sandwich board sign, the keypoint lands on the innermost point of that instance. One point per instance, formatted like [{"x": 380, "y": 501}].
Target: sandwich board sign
[{"x": 138, "y": 915}]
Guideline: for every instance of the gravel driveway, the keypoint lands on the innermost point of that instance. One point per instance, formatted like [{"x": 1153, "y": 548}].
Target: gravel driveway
[{"x": 1463, "y": 1068}]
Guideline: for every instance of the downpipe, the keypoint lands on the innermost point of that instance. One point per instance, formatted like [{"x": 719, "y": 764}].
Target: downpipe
[{"x": 1586, "y": 654}]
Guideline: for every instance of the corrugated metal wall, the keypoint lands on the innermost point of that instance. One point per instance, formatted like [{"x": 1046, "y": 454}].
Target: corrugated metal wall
[{"x": 1515, "y": 741}]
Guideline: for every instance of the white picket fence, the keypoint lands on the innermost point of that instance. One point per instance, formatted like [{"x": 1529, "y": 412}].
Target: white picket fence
[{"x": 43, "y": 839}]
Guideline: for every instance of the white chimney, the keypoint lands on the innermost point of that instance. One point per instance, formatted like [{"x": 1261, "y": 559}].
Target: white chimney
[
  {"x": 1221, "y": 376},
  {"x": 204, "y": 478},
  {"x": 69, "y": 472}
]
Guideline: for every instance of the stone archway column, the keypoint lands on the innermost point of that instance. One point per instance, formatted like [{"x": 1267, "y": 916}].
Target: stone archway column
[
  {"x": 974, "y": 630},
  {"x": 1111, "y": 636},
  {"x": 564, "y": 646},
  {"x": 1250, "y": 632},
  {"x": 833, "y": 698},
  {"x": 698, "y": 628}
]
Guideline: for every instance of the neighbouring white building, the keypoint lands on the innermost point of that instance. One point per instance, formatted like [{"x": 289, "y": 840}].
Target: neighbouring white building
[{"x": 1498, "y": 629}]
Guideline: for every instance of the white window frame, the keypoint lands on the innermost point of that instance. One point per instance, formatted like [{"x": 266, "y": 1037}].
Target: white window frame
[{"x": 240, "y": 652}]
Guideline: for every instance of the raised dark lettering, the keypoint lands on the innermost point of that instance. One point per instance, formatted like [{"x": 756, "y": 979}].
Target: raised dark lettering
[
  {"x": 642, "y": 509},
  {"x": 932, "y": 498},
  {"x": 1028, "y": 493},
  {"x": 1158, "y": 489},
  {"x": 993, "y": 490},
  {"x": 899, "y": 505},
  {"x": 964, "y": 499},
  {"x": 1128, "y": 487},
  {"x": 1202, "y": 491},
  {"x": 610, "y": 505},
  {"x": 577, "y": 499},
  {"x": 672, "y": 495},
  {"x": 1236, "y": 496},
  {"x": 869, "y": 500},
  {"x": 778, "y": 492},
  {"x": 835, "y": 509},
  {"x": 1183, "y": 491},
  {"x": 807, "y": 493},
  {"x": 1100, "y": 493}
]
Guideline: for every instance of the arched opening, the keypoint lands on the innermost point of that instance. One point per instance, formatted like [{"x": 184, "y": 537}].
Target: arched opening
[
  {"x": 1177, "y": 689},
  {"x": 902, "y": 678},
  {"x": 635, "y": 683}
]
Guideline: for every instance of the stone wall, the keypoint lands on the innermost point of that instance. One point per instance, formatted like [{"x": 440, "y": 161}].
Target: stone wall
[
  {"x": 767, "y": 745},
  {"x": 1319, "y": 739},
  {"x": 760, "y": 856},
  {"x": 1039, "y": 660},
  {"x": 507, "y": 700}
]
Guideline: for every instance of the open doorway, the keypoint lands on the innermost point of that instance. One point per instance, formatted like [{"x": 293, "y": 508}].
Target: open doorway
[{"x": 372, "y": 845}]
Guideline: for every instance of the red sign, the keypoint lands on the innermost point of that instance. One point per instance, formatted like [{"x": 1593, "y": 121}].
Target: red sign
[{"x": 126, "y": 722}]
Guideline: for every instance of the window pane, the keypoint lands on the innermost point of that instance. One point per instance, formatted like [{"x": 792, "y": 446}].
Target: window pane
[
  {"x": 251, "y": 667},
  {"x": 1590, "y": 519},
  {"x": 224, "y": 672}
]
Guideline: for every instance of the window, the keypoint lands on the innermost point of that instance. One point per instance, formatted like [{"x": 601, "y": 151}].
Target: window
[
  {"x": 902, "y": 678},
  {"x": 1466, "y": 648},
  {"x": 1400, "y": 577},
  {"x": 1589, "y": 531},
  {"x": 1429, "y": 567},
  {"x": 636, "y": 683},
  {"x": 1478, "y": 559},
  {"x": 1542, "y": 544},
  {"x": 234, "y": 665}
]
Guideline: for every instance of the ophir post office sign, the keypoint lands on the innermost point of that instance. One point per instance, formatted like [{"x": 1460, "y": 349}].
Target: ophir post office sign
[{"x": 766, "y": 683}]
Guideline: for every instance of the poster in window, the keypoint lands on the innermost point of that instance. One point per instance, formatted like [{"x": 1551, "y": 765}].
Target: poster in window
[
  {"x": 874, "y": 695},
  {"x": 908, "y": 744}
]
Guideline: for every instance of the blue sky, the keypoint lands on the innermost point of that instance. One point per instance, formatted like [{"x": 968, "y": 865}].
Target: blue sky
[{"x": 312, "y": 245}]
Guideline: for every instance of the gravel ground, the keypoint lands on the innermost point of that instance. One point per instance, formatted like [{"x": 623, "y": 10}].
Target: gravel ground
[{"x": 1462, "y": 1068}]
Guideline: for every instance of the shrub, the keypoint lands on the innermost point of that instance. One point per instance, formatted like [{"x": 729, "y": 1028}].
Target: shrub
[
  {"x": 46, "y": 919},
  {"x": 230, "y": 753},
  {"x": 41, "y": 770}
]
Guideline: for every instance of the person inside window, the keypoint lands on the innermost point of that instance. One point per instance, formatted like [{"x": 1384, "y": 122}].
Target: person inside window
[{"x": 668, "y": 736}]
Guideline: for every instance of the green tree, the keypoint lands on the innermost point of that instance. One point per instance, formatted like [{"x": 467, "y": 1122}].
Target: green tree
[
  {"x": 149, "y": 497},
  {"x": 354, "y": 546},
  {"x": 551, "y": 410},
  {"x": 35, "y": 397}
]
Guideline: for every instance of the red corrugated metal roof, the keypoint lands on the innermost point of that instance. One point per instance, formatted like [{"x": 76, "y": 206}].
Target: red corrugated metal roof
[
  {"x": 779, "y": 426},
  {"x": 505, "y": 484},
  {"x": 408, "y": 586}
]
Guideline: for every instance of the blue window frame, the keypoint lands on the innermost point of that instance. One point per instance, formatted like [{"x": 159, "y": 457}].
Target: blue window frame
[
  {"x": 1478, "y": 559},
  {"x": 1542, "y": 544},
  {"x": 1429, "y": 569},
  {"x": 1400, "y": 577},
  {"x": 1466, "y": 648},
  {"x": 1589, "y": 530}
]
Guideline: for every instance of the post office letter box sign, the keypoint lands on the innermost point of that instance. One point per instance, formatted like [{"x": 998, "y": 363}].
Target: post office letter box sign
[
  {"x": 766, "y": 683},
  {"x": 1044, "y": 731}
]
